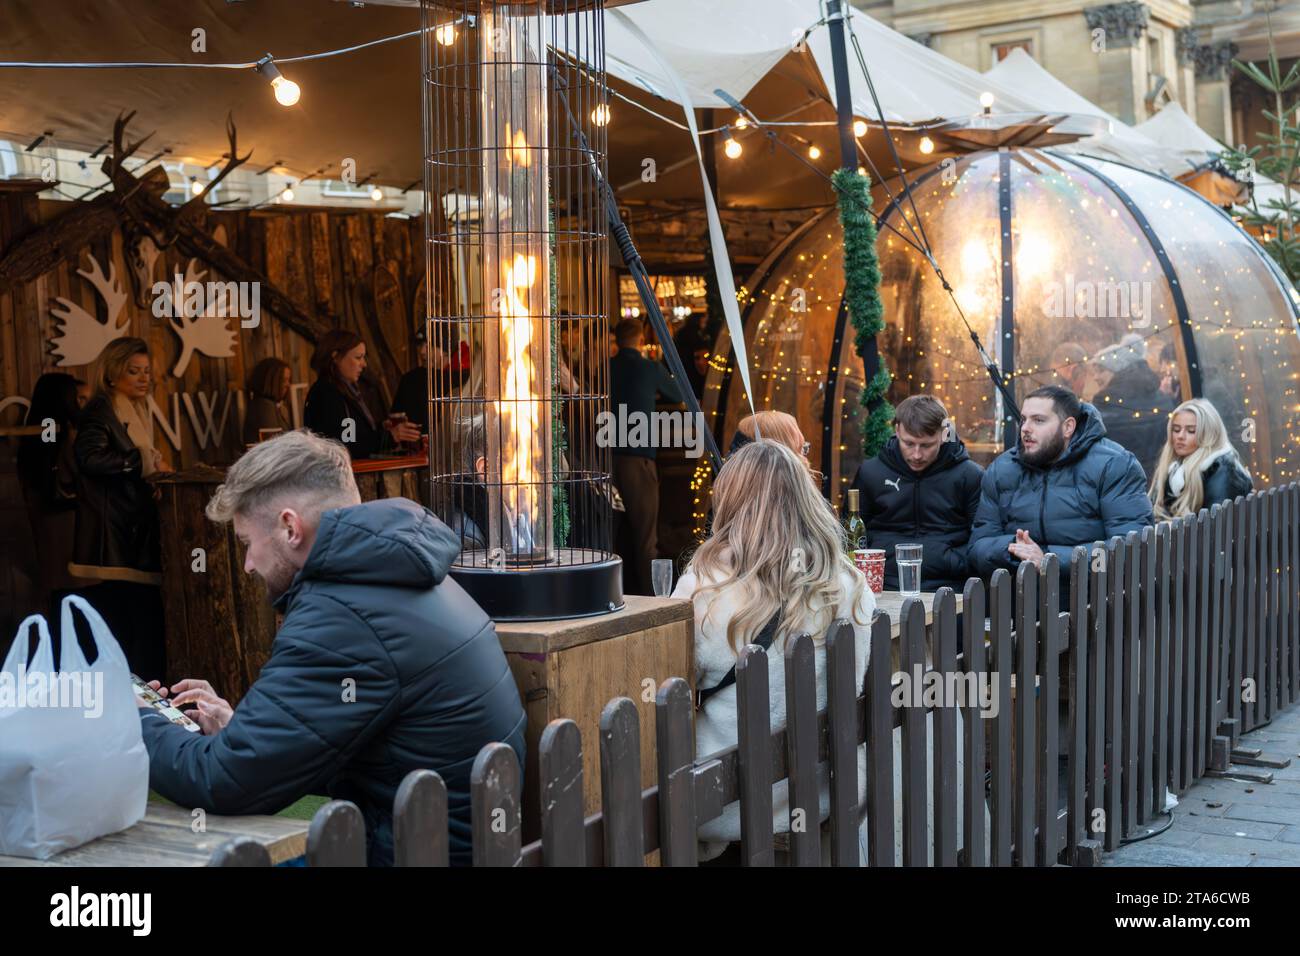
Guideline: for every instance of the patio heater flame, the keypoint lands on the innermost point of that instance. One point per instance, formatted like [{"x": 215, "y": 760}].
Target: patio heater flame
[{"x": 516, "y": 265}]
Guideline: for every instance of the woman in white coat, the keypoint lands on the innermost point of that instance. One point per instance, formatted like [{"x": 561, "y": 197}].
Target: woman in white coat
[{"x": 776, "y": 554}]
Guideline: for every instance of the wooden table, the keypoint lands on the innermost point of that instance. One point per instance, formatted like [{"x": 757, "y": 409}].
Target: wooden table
[
  {"x": 573, "y": 668},
  {"x": 165, "y": 837},
  {"x": 891, "y": 603}
]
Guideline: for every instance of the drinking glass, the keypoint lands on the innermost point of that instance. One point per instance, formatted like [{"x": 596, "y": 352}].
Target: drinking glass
[
  {"x": 908, "y": 559},
  {"x": 661, "y": 576}
]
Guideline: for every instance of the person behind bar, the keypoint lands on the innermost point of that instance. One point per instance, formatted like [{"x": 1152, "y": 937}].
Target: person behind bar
[
  {"x": 634, "y": 381},
  {"x": 382, "y": 664},
  {"x": 335, "y": 406},
  {"x": 268, "y": 388},
  {"x": 116, "y": 540},
  {"x": 47, "y": 474}
]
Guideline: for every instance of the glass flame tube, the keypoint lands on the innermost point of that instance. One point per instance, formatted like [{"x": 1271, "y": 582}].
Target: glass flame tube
[{"x": 517, "y": 282}]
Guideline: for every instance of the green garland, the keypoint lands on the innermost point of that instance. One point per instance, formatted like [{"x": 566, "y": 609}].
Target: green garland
[{"x": 862, "y": 295}]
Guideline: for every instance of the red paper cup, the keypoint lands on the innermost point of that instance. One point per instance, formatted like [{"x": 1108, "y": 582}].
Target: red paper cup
[{"x": 871, "y": 562}]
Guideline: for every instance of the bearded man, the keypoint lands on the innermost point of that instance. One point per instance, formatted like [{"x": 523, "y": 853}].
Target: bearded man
[
  {"x": 1064, "y": 485},
  {"x": 382, "y": 665}
]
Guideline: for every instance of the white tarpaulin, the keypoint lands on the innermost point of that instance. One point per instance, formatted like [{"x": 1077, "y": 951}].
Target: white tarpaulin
[
  {"x": 1177, "y": 132},
  {"x": 1022, "y": 72},
  {"x": 732, "y": 44}
]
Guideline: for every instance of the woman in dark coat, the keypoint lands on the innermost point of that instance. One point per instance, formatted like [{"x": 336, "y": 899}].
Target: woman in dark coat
[
  {"x": 48, "y": 476},
  {"x": 335, "y": 406},
  {"x": 1198, "y": 467},
  {"x": 117, "y": 519}
]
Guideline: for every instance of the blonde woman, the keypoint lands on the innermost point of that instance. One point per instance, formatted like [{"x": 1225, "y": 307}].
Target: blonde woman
[
  {"x": 1198, "y": 467},
  {"x": 116, "y": 539}
]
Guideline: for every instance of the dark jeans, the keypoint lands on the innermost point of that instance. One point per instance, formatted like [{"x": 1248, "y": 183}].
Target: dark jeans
[{"x": 637, "y": 480}]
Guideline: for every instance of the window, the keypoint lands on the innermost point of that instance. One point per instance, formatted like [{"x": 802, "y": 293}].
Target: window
[{"x": 1001, "y": 50}]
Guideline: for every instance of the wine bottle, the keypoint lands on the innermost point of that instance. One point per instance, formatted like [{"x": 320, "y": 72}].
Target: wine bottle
[{"x": 855, "y": 530}]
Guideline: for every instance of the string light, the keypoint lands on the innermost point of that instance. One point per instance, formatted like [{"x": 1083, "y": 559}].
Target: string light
[
  {"x": 287, "y": 92},
  {"x": 287, "y": 195},
  {"x": 986, "y": 101},
  {"x": 732, "y": 148},
  {"x": 377, "y": 194},
  {"x": 196, "y": 187},
  {"x": 814, "y": 151},
  {"x": 742, "y": 121},
  {"x": 927, "y": 145},
  {"x": 445, "y": 34},
  {"x": 600, "y": 116},
  {"x": 859, "y": 128}
]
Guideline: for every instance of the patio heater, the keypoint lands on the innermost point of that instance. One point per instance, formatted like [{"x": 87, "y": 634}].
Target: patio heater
[{"x": 514, "y": 115}]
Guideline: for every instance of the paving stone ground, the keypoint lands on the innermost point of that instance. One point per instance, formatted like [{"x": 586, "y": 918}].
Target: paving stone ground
[{"x": 1230, "y": 822}]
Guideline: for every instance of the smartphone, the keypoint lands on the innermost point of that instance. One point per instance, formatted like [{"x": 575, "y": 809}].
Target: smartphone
[{"x": 161, "y": 704}]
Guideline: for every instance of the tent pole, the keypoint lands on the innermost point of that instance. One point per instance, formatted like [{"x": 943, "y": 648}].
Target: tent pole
[{"x": 836, "y": 11}]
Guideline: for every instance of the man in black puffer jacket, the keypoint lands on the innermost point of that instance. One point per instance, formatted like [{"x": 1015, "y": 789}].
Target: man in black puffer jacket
[
  {"x": 921, "y": 489},
  {"x": 383, "y": 665}
]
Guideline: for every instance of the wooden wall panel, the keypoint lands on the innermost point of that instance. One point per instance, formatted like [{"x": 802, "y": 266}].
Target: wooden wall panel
[{"x": 325, "y": 260}]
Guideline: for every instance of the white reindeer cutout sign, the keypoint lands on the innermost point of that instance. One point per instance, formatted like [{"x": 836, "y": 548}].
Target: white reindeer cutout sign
[
  {"x": 82, "y": 336},
  {"x": 202, "y": 322}
]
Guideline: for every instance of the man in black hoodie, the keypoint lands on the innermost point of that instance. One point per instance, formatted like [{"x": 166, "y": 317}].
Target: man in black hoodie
[{"x": 921, "y": 489}]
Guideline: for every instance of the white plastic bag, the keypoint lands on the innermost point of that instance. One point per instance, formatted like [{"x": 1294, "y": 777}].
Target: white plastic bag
[{"x": 72, "y": 762}]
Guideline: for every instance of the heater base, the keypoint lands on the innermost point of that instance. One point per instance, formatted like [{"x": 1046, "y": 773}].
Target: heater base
[{"x": 545, "y": 592}]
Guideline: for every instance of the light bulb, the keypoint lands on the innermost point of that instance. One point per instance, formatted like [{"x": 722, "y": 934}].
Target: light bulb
[
  {"x": 732, "y": 149},
  {"x": 742, "y": 121},
  {"x": 446, "y": 34},
  {"x": 377, "y": 194},
  {"x": 196, "y": 187},
  {"x": 600, "y": 115},
  {"x": 859, "y": 128},
  {"x": 814, "y": 151},
  {"x": 986, "y": 100},
  {"x": 862, "y": 170},
  {"x": 286, "y": 91},
  {"x": 287, "y": 195},
  {"x": 927, "y": 145}
]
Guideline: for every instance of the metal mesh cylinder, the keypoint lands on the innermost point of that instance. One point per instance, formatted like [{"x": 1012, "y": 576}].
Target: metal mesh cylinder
[{"x": 515, "y": 110}]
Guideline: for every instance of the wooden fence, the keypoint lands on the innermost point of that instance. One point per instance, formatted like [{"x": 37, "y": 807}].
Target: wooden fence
[{"x": 1176, "y": 640}]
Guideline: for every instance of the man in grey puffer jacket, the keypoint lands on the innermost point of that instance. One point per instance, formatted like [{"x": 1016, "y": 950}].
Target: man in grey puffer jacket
[
  {"x": 383, "y": 665},
  {"x": 1066, "y": 484}
]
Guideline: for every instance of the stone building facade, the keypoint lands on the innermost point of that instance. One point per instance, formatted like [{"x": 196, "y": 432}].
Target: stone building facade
[{"x": 1128, "y": 57}]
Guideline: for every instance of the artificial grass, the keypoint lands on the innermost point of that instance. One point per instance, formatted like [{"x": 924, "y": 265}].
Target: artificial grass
[{"x": 303, "y": 809}]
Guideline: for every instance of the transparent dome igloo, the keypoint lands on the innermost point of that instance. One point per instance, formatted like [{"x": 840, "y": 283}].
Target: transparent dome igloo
[{"x": 1110, "y": 269}]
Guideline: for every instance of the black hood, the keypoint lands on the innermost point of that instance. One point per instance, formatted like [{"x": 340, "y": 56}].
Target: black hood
[{"x": 951, "y": 454}]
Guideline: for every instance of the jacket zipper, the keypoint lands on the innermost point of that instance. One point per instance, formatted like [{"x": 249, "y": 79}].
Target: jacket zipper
[{"x": 1042, "y": 513}]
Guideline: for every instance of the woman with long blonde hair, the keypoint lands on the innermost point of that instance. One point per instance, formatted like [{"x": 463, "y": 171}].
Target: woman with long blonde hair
[
  {"x": 774, "y": 567},
  {"x": 1198, "y": 467}
]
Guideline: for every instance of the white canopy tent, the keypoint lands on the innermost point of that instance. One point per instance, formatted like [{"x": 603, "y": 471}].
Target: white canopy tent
[
  {"x": 1175, "y": 131},
  {"x": 1122, "y": 142}
]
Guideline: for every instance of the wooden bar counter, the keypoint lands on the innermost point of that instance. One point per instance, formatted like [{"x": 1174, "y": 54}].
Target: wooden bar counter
[{"x": 219, "y": 621}]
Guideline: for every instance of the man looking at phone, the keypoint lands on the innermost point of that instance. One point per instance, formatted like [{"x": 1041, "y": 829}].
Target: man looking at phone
[{"x": 383, "y": 665}]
